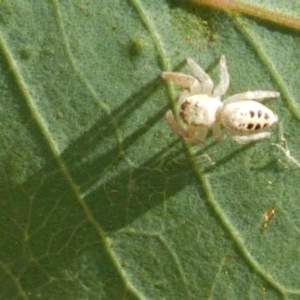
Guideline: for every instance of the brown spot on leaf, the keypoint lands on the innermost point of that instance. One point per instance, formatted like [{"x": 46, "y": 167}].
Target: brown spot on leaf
[
  {"x": 252, "y": 113},
  {"x": 257, "y": 127},
  {"x": 250, "y": 126}
]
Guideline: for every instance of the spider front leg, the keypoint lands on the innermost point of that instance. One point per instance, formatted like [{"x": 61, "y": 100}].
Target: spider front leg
[
  {"x": 174, "y": 125},
  {"x": 193, "y": 134}
]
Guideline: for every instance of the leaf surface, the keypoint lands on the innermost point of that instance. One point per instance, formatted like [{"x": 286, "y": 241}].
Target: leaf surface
[{"x": 99, "y": 198}]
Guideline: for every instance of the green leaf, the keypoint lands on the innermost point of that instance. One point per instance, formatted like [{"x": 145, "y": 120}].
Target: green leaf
[{"x": 99, "y": 198}]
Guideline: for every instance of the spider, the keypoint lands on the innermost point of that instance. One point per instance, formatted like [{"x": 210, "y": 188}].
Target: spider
[{"x": 199, "y": 108}]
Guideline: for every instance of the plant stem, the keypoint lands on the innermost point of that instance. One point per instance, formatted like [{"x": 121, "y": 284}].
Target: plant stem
[{"x": 252, "y": 11}]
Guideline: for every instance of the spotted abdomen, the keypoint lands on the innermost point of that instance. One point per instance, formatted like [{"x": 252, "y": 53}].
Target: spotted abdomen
[{"x": 247, "y": 116}]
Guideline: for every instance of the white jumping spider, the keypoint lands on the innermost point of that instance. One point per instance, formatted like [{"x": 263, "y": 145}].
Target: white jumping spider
[{"x": 199, "y": 107}]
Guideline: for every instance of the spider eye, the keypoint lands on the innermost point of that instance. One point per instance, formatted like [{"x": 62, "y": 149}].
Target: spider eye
[
  {"x": 182, "y": 115},
  {"x": 184, "y": 105}
]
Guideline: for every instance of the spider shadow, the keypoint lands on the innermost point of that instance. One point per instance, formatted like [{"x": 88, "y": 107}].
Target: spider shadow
[
  {"x": 118, "y": 200},
  {"x": 116, "y": 192},
  {"x": 55, "y": 205}
]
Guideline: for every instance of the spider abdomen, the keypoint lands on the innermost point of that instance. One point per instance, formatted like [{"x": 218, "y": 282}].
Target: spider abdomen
[{"x": 247, "y": 116}]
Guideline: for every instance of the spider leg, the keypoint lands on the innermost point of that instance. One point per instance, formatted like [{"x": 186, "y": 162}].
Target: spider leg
[
  {"x": 217, "y": 133},
  {"x": 223, "y": 85},
  {"x": 173, "y": 124},
  {"x": 258, "y": 96},
  {"x": 204, "y": 79},
  {"x": 251, "y": 138},
  {"x": 184, "y": 80},
  {"x": 196, "y": 134}
]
